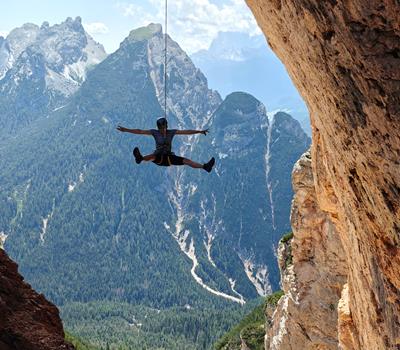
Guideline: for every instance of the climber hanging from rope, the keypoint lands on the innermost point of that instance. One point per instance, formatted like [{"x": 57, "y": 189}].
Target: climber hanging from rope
[{"x": 163, "y": 154}]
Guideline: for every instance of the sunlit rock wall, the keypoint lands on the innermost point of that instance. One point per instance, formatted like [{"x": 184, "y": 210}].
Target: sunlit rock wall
[
  {"x": 313, "y": 271},
  {"x": 343, "y": 56}
]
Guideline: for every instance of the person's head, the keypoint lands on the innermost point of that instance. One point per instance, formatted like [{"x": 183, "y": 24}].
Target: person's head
[{"x": 162, "y": 123}]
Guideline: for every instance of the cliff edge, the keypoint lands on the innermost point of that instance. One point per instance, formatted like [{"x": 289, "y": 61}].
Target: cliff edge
[{"x": 27, "y": 320}]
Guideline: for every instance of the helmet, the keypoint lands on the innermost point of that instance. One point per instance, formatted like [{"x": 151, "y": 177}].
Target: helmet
[{"x": 161, "y": 123}]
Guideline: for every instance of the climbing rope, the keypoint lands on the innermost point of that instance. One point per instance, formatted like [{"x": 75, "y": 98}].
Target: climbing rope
[{"x": 165, "y": 59}]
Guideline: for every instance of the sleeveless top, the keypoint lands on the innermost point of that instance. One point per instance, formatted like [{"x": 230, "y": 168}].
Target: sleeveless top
[{"x": 163, "y": 143}]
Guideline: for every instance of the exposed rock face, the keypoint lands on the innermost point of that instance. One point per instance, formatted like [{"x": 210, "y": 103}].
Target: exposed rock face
[
  {"x": 17, "y": 41},
  {"x": 27, "y": 320},
  {"x": 64, "y": 52},
  {"x": 313, "y": 272},
  {"x": 347, "y": 332},
  {"x": 40, "y": 67},
  {"x": 344, "y": 59}
]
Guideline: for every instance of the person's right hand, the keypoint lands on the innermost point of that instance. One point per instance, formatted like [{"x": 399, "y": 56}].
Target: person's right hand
[{"x": 121, "y": 128}]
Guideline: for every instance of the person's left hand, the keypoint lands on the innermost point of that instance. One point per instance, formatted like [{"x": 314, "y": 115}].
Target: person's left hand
[
  {"x": 121, "y": 128},
  {"x": 204, "y": 132}
]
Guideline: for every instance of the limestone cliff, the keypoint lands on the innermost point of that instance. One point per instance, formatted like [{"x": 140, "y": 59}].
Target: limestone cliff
[
  {"x": 344, "y": 57},
  {"x": 313, "y": 272},
  {"x": 27, "y": 320}
]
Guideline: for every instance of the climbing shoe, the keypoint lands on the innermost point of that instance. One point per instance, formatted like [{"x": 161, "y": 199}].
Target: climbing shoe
[
  {"x": 208, "y": 166},
  {"x": 137, "y": 155}
]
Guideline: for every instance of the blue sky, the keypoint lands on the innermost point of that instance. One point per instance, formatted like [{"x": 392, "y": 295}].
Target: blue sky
[{"x": 193, "y": 23}]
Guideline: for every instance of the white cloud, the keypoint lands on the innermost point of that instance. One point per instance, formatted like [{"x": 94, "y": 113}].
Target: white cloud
[
  {"x": 194, "y": 23},
  {"x": 96, "y": 28},
  {"x": 3, "y": 33}
]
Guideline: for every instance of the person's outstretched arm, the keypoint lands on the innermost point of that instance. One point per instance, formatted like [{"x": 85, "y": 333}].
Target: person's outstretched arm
[
  {"x": 191, "y": 132},
  {"x": 134, "y": 131}
]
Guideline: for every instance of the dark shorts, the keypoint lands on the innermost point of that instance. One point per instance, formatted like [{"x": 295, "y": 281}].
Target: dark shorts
[{"x": 168, "y": 159}]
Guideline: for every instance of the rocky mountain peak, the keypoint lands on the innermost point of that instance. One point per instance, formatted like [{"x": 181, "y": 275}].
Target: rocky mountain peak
[
  {"x": 45, "y": 25},
  {"x": 24, "y": 34},
  {"x": 41, "y": 66},
  {"x": 65, "y": 43},
  {"x": 145, "y": 33},
  {"x": 74, "y": 25},
  {"x": 15, "y": 43},
  {"x": 240, "y": 103},
  {"x": 190, "y": 103},
  {"x": 65, "y": 50},
  {"x": 241, "y": 140},
  {"x": 76, "y": 21},
  {"x": 239, "y": 119},
  {"x": 283, "y": 122}
]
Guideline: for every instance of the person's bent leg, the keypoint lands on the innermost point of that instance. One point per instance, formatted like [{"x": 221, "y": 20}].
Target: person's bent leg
[{"x": 139, "y": 158}]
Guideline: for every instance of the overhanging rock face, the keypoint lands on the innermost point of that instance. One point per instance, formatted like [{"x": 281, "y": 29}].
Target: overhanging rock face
[{"x": 344, "y": 57}]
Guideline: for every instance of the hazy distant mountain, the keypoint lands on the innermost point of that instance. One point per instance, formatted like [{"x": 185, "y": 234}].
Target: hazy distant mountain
[
  {"x": 233, "y": 46},
  {"x": 240, "y": 62}
]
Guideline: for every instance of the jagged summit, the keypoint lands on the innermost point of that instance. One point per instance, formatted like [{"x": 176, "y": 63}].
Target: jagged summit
[
  {"x": 241, "y": 100},
  {"x": 286, "y": 122},
  {"x": 60, "y": 45},
  {"x": 77, "y": 20},
  {"x": 45, "y": 39},
  {"x": 145, "y": 33},
  {"x": 240, "y": 107},
  {"x": 65, "y": 49},
  {"x": 70, "y": 24},
  {"x": 41, "y": 66},
  {"x": 14, "y": 44}
]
